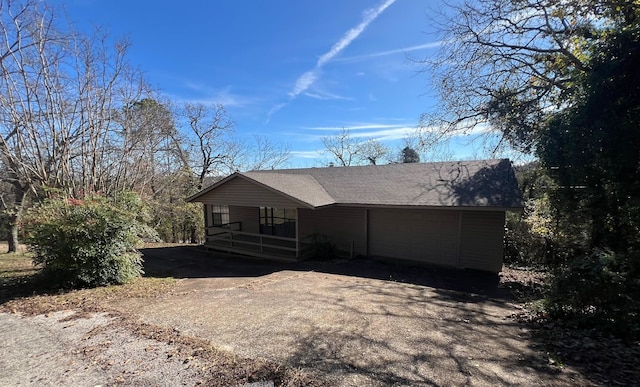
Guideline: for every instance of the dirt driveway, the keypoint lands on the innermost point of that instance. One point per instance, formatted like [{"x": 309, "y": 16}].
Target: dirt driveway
[{"x": 387, "y": 325}]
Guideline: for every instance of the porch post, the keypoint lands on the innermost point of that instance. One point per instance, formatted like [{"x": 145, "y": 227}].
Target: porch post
[
  {"x": 297, "y": 234},
  {"x": 206, "y": 222}
]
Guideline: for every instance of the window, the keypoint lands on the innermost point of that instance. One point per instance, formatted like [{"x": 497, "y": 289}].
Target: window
[
  {"x": 278, "y": 221},
  {"x": 219, "y": 215}
]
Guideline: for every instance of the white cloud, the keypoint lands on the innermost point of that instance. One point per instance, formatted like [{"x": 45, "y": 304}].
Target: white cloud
[
  {"x": 273, "y": 110},
  {"x": 404, "y": 50},
  {"x": 380, "y": 132},
  {"x": 313, "y": 154},
  {"x": 464, "y": 129},
  {"x": 324, "y": 95},
  {"x": 209, "y": 95},
  {"x": 304, "y": 82},
  {"x": 385, "y": 134},
  {"x": 355, "y": 127},
  {"x": 308, "y": 78}
]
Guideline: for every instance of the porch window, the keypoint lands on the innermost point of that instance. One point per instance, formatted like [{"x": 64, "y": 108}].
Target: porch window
[
  {"x": 278, "y": 221},
  {"x": 219, "y": 215}
]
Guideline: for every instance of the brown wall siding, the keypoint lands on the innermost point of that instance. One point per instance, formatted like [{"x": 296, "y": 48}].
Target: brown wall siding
[
  {"x": 482, "y": 240},
  {"x": 248, "y": 216},
  {"x": 343, "y": 225},
  {"x": 240, "y": 192},
  {"x": 448, "y": 225},
  {"x": 207, "y": 215},
  {"x": 420, "y": 235}
]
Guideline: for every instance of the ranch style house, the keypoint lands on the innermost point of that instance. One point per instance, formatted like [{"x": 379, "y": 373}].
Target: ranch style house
[{"x": 445, "y": 213}]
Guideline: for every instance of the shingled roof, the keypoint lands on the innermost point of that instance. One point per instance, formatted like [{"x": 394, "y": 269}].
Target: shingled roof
[{"x": 484, "y": 183}]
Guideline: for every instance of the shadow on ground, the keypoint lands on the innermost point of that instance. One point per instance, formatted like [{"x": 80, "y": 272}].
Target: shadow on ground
[
  {"x": 422, "y": 326},
  {"x": 196, "y": 262}
]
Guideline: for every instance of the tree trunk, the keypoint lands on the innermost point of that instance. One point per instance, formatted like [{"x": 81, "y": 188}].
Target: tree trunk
[
  {"x": 13, "y": 234},
  {"x": 14, "y": 218},
  {"x": 194, "y": 235}
]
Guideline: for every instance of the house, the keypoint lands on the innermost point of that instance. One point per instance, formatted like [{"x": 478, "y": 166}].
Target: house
[{"x": 445, "y": 213}]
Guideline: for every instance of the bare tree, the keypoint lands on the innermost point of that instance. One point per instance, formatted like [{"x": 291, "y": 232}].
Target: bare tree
[
  {"x": 149, "y": 147},
  {"x": 347, "y": 150},
  {"x": 58, "y": 93},
  {"x": 372, "y": 152},
  {"x": 341, "y": 147},
  {"x": 430, "y": 145},
  {"x": 259, "y": 153},
  {"x": 210, "y": 131},
  {"x": 508, "y": 64}
]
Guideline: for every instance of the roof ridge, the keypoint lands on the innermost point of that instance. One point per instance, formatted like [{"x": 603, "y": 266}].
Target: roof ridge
[{"x": 372, "y": 166}]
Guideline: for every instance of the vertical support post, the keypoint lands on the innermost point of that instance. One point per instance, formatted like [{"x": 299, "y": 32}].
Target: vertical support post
[
  {"x": 206, "y": 222},
  {"x": 366, "y": 232},
  {"x": 458, "y": 257},
  {"x": 297, "y": 234}
]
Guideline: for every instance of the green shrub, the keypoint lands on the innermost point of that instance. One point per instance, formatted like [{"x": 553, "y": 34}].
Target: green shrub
[
  {"x": 321, "y": 247},
  {"x": 599, "y": 290},
  {"x": 86, "y": 243}
]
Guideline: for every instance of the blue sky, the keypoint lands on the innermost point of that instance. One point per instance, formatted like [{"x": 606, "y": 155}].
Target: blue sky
[{"x": 293, "y": 71}]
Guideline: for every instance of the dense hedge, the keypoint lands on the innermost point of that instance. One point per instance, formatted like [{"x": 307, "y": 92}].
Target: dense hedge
[{"x": 90, "y": 242}]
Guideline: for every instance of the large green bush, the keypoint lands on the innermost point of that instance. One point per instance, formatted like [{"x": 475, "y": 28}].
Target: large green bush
[{"x": 90, "y": 242}]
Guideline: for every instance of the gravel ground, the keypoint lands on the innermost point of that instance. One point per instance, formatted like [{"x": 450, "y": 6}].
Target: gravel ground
[
  {"x": 354, "y": 330},
  {"x": 355, "y": 323},
  {"x": 62, "y": 349},
  {"x": 360, "y": 332}
]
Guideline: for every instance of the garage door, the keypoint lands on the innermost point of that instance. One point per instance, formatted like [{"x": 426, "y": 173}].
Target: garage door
[{"x": 420, "y": 235}]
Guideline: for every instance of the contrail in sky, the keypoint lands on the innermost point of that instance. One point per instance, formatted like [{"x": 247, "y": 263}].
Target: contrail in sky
[{"x": 308, "y": 78}]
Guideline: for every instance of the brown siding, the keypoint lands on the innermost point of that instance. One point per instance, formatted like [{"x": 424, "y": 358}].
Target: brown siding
[
  {"x": 482, "y": 240},
  {"x": 343, "y": 225},
  {"x": 207, "y": 217},
  {"x": 249, "y": 217},
  {"x": 240, "y": 192},
  {"x": 419, "y": 235}
]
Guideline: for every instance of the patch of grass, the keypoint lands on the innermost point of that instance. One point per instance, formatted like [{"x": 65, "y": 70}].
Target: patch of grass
[
  {"x": 23, "y": 290},
  {"x": 14, "y": 266},
  {"x": 17, "y": 274},
  {"x": 95, "y": 299}
]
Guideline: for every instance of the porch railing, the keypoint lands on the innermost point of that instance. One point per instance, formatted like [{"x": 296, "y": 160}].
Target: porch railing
[{"x": 228, "y": 237}]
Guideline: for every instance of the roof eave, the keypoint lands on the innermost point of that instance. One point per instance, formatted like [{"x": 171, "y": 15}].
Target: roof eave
[{"x": 430, "y": 207}]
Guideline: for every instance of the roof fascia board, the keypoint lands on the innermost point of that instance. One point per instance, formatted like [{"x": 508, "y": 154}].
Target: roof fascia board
[{"x": 446, "y": 208}]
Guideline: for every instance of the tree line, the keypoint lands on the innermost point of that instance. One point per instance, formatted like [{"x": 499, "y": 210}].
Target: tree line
[
  {"x": 76, "y": 119},
  {"x": 559, "y": 81}
]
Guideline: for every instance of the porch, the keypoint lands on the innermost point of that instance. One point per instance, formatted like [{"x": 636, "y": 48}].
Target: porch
[{"x": 230, "y": 239}]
